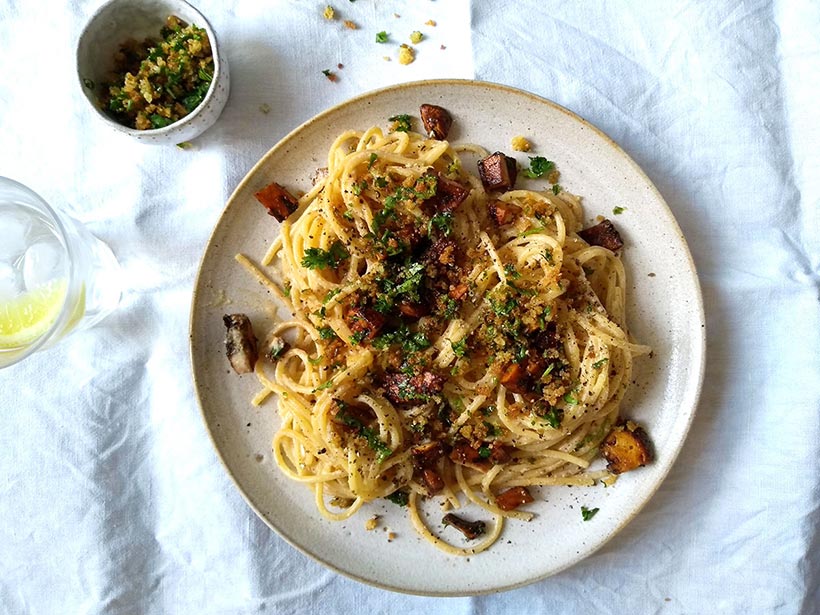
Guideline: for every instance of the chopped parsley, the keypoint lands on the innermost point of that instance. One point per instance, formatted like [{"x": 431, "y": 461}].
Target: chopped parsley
[
  {"x": 373, "y": 158},
  {"x": 286, "y": 290},
  {"x": 460, "y": 347},
  {"x": 553, "y": 416},
  {"x": 556, "y": 189},
  {"x": 330, "y": 294},
  {"x": 442, "y": 222},
  {"x": 401, "y": 123},
  {"x": 588, "y": 513},
  {"x": 532, "y": 231},
  {"x": 570, "y": 399},
  {"x": 539, "y": 166},
  {"x": 484, "y": 452},
  {"x": 409, "y": 341},
  {"x": 315, "y": 361},
  {"x": 357, "y": 337},
  {"x": 511, "y": 271},
  {"x": 324, "y": 386},
  {"x": 317, "y": 258},
  {"x": 360, "y": 187},
  {"x": 327, "y": 333},
  {"x": 88, "y": 83},
  {"x": 399, "y": 498},
  {"x": 381, "y": 37},
  {"x": 382, "y": 450},
  {"x": 380, "y": 182},
  {"x": 599, "y": 364},
  {"x": 618, "y": 210}
]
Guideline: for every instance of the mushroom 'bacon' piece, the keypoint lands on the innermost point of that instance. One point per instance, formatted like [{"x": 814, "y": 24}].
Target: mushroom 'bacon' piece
[
  {"x": 449, "y": 195},
  {"x": 277, "y": 200},
  {"x": 424, "y": 457},
  {"x": 365, "y": 323},
  {"x": 626, "y": 447},
  {"x": 240, "y": 343},
  {"x": 497, "y": 171},
  {"x": 470, "y": 529},
  {"x": 513, "y": 498},
  {"x": 503, "y": 213},
  {"x": 603, "y": 234},
  {"x": 437, "y": 120},
  {"x": 400, "y": 388}
]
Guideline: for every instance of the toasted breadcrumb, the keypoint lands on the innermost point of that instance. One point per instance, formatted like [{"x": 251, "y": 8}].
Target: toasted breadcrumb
[
  {"x": 329, "y": 13},
  {"x": 553, "y": 176},
  {"x": 415, "y": 37},
  {"x": 387, "y": 59},
  {"x": 430, "y": 23},
  {"x": 264, "y": 108},
  {"x": 520, "y": 144},
  {"x": 406, "y": 54},
  {"x": 372, "y": 523},
  {"x": 391, "y": 536},
  {"x": 350, "y": 25}
]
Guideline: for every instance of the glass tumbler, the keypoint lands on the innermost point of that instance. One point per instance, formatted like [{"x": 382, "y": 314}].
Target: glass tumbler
[{"x": 55, "y": 276}]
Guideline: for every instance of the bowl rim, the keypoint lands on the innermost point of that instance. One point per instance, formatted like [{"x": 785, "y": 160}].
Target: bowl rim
[{"x": 91, "y": 96}]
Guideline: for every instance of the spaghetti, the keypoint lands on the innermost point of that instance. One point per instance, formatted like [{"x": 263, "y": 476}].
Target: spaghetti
[{"x": 444, "y": 339}]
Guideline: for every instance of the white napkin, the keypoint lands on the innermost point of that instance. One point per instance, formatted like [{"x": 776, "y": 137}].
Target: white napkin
[{"x": 111, "y": 497}]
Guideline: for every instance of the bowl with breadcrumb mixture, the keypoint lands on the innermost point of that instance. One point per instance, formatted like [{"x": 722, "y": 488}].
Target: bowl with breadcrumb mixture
[{"x": 152, "y": 69}]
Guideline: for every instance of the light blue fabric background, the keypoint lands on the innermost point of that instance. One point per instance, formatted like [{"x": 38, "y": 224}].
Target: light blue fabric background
[{"x": 111, "y": 497}]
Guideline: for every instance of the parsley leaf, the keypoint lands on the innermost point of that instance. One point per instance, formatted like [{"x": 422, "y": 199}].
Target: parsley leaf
[
  {"x": 399, "y": 498},
  {"x": 381, "y": 37},
  {"x": 539, "y": 166},
  {"x": 401, "y": 122},
  {"x": 460, "y": 347},
  {"x": 442, "y": 222},
  {"x": 570, "y": 399},
  {"x": 556, "y": 189},
  {"x": 599, "y": 364},
  {"x": 382, "y": 450},
  {"x": 317, "y": 258},
  {"x": 373, "y": 158},
  {"x": 484, "y": 452},
  {"x": 588, "y": 513},
  {"x": 357, "y": 337},
  {"x": 327, "y": 333},
  {"x": 511, "y": 271},
  {"x": 618, "y": 210},
  {"x": 553, "y": 416}
]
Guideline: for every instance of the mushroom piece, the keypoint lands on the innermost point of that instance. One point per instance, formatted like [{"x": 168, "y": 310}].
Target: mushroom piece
[
  {"x": 437, "y": 120},
  {"x": 603, "y": 234},
  {"x": 240, "y": 343},
  {"x": 626, "y": 447},
  {"x": 277, "y": 200},
  {"x": 497, "y": 172},
  {"x": 470, "y": 529}
]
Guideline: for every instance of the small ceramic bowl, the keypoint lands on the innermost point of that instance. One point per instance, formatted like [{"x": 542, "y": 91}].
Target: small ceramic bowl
[{"x": 117, "y": 21}]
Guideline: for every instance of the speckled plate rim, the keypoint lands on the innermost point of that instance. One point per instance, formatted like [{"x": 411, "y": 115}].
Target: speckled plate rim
[{"x": 687, "y": 409}]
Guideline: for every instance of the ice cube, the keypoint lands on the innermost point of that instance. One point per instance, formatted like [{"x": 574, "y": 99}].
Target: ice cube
[
  {"x": 10, "y": 283},
  {"x": 43, "y": 261},
  {"x": 13, "y": 231}
]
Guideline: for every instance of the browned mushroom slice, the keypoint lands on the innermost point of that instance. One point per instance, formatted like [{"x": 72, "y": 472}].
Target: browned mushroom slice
[
  {"x": 513, "y": 498},
  {"x": 503, "y": 213},
  {"x": 603, "y": 234},
  {"x": 402, "y": 388},
  {"x": 432, "y": 480},
  {"x": 449, "y": 194},
  {"x": 514, "y": 377},
  {"x": 365, "y": 323},
  {"x": 626, "y": 447},
  {"x": 465, "y": 455},
  {"x": 497, "y": 171},
  {"x": 425, "y": 455},
  {"x": 277, "y": 200},
  {"x": 437, "y": 120},
  {"x": 470, "y": 529},
  {"x": 240, "y": 343}
]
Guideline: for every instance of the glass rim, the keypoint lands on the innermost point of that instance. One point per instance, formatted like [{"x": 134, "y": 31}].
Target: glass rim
[{"x": 67, "y": 306}]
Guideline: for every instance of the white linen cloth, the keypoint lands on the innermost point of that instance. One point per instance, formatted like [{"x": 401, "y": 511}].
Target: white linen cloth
[{"x": 111, "y": 497}]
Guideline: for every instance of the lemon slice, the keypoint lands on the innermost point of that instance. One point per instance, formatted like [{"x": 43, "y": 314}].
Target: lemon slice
[{"x": 25, "y": 318}]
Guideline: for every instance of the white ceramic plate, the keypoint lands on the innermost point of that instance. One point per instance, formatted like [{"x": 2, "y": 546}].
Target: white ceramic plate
[{"x": 665, "y": 311}]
